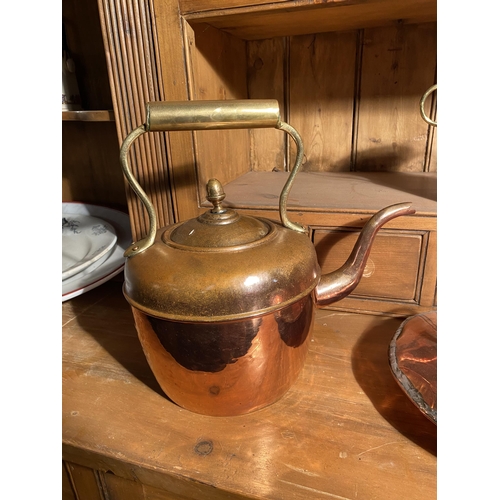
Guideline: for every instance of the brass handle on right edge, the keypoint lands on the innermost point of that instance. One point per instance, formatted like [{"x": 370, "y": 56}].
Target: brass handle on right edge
[{"x": 422, "y": 102}]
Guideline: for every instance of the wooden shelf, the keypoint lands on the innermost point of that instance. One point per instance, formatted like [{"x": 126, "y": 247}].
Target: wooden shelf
[
  {"x": 344, "y": 430},
  {"x": 89, "y": 116},
  {"x": 91, "y": 170},
  {"x": 260, "y": 20},
  {"x": 335, "y": 192}
]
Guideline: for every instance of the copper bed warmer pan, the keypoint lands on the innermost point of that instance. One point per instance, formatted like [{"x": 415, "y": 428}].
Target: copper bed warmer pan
[{"x": 223, "y": 303}]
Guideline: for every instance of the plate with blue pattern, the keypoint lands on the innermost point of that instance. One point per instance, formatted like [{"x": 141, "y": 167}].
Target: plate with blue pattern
[
  {"x": 111, "y": 262},
  {"x": 85, "y": 240}
]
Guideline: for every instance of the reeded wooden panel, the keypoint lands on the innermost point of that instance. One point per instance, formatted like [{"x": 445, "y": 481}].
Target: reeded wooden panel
[
  {"x": 392, "y": 270},
  {"x": 398, "y": 66},
  {"x": 172, "y": 57},
  {"x": 129, "y": 33},
  {"x": 322, "y": 79}
]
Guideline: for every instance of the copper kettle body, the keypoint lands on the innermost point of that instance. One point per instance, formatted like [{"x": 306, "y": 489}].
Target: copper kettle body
[{"x": 224, "y": 303}]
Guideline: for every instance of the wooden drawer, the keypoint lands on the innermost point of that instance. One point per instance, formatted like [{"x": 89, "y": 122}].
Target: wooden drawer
[
  {"x": 393, "y": 267},
  {"x": 398, "y": 278}
]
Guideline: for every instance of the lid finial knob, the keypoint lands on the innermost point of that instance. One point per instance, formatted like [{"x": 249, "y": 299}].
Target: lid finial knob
[{"x": 215, "y": 195}]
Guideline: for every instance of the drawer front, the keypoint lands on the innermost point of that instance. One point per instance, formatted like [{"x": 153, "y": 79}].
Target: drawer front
[{"x": 394, "y": 268}]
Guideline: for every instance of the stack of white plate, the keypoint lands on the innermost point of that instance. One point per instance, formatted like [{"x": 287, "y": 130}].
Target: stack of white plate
[{"x": 94, "y": 239}]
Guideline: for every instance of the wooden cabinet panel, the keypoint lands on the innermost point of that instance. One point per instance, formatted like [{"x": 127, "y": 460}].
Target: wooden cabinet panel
[
  {"x": 322, "y": 100},
  {"x": 85, "y": 482},
  {"x": 83, "y": 33},
  {"x": 398, "y": 66},
  {"x": 267, "y": 62},
  {"x": 67, "y": 488},
  {"x": 393, "y": 268},
  {"x": 217, "y": 63},
  {"x": 119, "y": 488},
  {"x": 91, "y": 170}
]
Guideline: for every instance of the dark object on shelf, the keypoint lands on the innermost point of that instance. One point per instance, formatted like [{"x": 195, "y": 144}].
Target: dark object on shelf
[
  {"x": 71, "y": 100},
  {"x": 413, "y": 360}
]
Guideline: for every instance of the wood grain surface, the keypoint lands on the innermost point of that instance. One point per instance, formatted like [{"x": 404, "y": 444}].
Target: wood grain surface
[
  {"x": 322, "y": 91},
  {"x": 398, "y": 66},
  {"x": 345, "y": 430},
  {"x": 260, "y": 20},
  {"x": 266, "y": 76},
  {"x": 91, "y": 171},
  {"x": 217, "y": 62}
]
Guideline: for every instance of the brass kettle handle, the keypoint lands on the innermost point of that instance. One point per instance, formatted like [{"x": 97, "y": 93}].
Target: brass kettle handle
[
  {"x": 429, "y": 91},
  {"x": 208, "y": 115}
]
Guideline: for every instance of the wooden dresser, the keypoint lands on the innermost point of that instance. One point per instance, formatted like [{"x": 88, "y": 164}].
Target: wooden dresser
[{"x": 348, "y": 75}]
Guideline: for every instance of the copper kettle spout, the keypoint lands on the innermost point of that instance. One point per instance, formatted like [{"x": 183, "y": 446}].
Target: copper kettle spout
[{"x": 340, "y": 283}]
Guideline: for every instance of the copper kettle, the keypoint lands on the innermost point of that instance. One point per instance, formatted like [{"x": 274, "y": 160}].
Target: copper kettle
[{"x": 224, "y": 303}]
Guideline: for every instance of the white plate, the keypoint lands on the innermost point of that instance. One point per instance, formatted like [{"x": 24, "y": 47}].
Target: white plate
[
  {"x": 85, "y": 240},
  {"x": 112, "y": 263}
]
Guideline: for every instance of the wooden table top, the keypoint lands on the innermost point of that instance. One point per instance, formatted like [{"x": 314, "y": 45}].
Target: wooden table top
[{"x": 344, "y": 431}]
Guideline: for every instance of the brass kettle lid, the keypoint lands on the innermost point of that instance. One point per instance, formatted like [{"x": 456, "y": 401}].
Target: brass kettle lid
[{"x": 219, "y": 227}]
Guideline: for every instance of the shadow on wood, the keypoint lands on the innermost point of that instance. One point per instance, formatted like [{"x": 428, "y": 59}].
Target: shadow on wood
[
  {"x": 123, "y": 344},
  {"x": 368, "y": 355}
]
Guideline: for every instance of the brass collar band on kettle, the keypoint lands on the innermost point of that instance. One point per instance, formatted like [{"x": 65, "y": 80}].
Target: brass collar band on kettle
[{"x": 208, "y": 115}]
